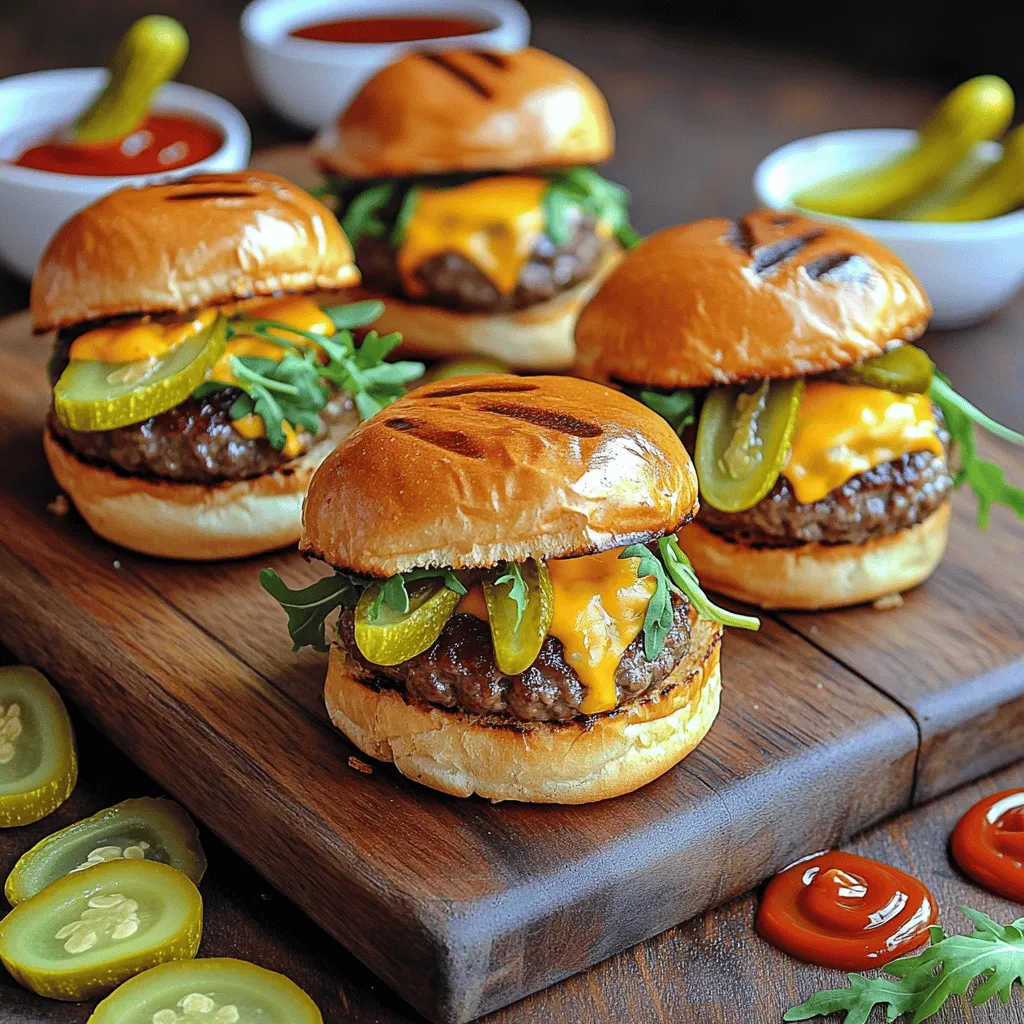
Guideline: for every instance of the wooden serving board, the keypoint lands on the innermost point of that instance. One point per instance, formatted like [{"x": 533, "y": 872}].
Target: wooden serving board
[{"x": 828, "y": 723}]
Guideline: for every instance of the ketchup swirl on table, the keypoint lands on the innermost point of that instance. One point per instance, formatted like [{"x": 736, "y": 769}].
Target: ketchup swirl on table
[
  {"x": 988, "y": 843},
  {"x": 840, "y": 910}
]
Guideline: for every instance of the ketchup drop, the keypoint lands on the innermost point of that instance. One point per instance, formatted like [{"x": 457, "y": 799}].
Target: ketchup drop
[
  {"x": 988, "y": 843},
  {"x": 845, "y": 911}
]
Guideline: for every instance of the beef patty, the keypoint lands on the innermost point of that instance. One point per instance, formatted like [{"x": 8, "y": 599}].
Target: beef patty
[
  {"x": 879, "y": 502},
  {"x": 192, "y": 443},
  {"x": 459, "y": 671}
]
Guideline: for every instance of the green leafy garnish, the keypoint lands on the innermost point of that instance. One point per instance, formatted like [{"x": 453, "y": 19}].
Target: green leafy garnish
[
  {"x": 517, "y": 590},
  {"x": 658, "y": 619},
  {"x": 294, "y": 390},
  {"x": 985, "y": 478},
  {"x": 395, "y": 595},
  {"x": 309, "y": 607},
  {"x": 581, "y": 191},
  {"x": 363, "y": 214},
  {"x": 672, "y": 571},
  {"x": 679, "y": 408},
  {"x": 992, "y": 952}
]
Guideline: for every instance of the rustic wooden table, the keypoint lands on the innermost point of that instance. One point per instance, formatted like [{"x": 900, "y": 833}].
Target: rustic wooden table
[{"x": 694, "y": 116}]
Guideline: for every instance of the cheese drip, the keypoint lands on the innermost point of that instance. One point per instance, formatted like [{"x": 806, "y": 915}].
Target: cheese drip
[
  {"x": 145, "y": 338},
  {"x": 844, "y": 429},
  {"x": 492, "y": 222}
]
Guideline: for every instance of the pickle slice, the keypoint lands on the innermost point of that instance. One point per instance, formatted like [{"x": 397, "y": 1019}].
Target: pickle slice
[
  {"x": 393, "y": 637},
  {"x": 743, "y": 439},
  {"x": 907, "y": 370},
  {"x": 86, "y": 933},
  {"x": 218, "y": 990},
  {"x": 518, "y": 639},
  {"x": 91, "y": 395},
  {"x": 38, "y": 763},
  {"x": 471, "y": 367},
  {"x": 146, "y": 828}
]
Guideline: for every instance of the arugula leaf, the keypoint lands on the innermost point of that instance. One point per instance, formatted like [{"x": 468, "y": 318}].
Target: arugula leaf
[
  {"x": 680, "y": 571},
  {"x": 309, "y": 607},
  {"x": 517, "y": 591},
  {"x": 362, "y": 215},
  {"x": 658, "y": 619},
  {"x": 985, "y": 478},
  {"x": 355, "y": 314},
  {"x": 394, "y": 594},
  {"x": 992, "y": 952},
  {"x": 582, "y": 192},
  {"x": 679, "y": 408}
]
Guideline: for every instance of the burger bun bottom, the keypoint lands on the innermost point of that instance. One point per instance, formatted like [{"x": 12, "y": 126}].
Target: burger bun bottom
[
  {"x": 815, "y": 576},
  {"x": 573, "y": 762}
]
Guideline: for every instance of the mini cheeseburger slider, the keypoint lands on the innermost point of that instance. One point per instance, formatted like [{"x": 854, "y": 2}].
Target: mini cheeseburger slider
[
  {"x": 781, "y": 348},
  {"x": 517, "y": 619},
  {"x": 197, "y": 384},
  {"x": 462, "y": 179}
]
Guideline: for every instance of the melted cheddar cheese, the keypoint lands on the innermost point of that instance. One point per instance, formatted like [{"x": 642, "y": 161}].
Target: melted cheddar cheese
[
  {"x": 492, "y": 222},
  {"x": 139, "y": 339},
  {"x": 599, "y": 611},
  {"x": 842, "y": 430},
  {"x": 145, "y": 338}
]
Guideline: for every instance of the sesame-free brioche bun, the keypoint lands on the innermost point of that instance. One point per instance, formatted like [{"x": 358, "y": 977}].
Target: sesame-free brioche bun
[
  {"x": 573, "y": 762},
  {"x": 538, "y": 338},
  {"x": 467, "y": 472},
  {"x": 721, "y": 301},
  {"x": 199, "y": 241},
  {"x": 193, "y": 522},
  {"x": 466, "y": 110},
  {"x": 813, "y": 576}
]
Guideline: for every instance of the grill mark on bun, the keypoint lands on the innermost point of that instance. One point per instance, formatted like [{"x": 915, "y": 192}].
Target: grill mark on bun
[
  {"x": 843, "y": 267},
  {"x": 560, "y": 421},
  {"x": 181, "y": 197},
  {"x": 457, "y": 442},
  {"x": 768, "y": 258},
  {"x": 475, "y": 389},
  {"x": 496, "y": 60},
  {"x": 460, "y": 73},
  {"x": 740, "y": 236}
]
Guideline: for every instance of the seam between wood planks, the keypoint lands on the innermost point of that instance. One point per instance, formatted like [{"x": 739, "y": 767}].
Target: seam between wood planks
[{"x": 905, "y": 708}]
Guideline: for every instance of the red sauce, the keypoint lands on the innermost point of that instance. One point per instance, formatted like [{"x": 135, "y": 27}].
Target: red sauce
[
  {"x": 844, "y": 911},
  {"x": 389, "y": 30},
  {"x": 164, "y": 142},
  {"x": 988, "y": 843}
]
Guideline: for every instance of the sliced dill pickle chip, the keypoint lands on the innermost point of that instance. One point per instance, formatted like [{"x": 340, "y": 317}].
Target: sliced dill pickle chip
[
  {"x": 393, "y": 637},
  {"x": 471, "y": 367},
  {"x": 743, "y": 439},
  {"x": 86, "y": 933},
  {"x": 146, "y": 828},
  {"x": 92, "y": 395},
  {"x": 218, "y": 990},
  {"x": 518, "y": 639},
  {"x": 907, "y": 370},
  {"x": 38, "y": 763}
]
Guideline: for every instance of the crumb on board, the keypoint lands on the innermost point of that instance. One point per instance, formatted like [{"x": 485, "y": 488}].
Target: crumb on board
[
  {"x": 360, "y": 766},
  {"x": 884, "y": 604},
  {"x": 60, "y": 506}
]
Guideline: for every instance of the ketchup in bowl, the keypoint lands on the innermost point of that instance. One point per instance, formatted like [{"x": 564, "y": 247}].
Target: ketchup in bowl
[
  {"x": 841, "y": 910},
  {"x": 163, "y": 142},
  {"x": 389, "y": 30}
]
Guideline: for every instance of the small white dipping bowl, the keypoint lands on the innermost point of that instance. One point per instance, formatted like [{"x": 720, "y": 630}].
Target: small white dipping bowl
[
  {"x": 33, "y": 204},
  {"x": 969, "y": 270},
  {"x": 309, "y": 81}
]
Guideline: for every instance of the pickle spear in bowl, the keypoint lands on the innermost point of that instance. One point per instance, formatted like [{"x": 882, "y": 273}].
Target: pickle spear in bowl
[
  {"x": 517, "y": 619},
  {"x": 204, "y": 364}
]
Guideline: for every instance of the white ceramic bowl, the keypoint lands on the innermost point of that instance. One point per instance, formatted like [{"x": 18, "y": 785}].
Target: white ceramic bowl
[
  {"x": 308, "y": 81},
  {"x": 33, "y": 204},
  {"x": 969, "y": 270}
]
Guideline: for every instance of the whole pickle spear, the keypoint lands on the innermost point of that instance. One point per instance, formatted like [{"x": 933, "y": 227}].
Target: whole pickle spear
[
  {"x": 978, "y": 110},
  {"x": 150, "y": 54}
]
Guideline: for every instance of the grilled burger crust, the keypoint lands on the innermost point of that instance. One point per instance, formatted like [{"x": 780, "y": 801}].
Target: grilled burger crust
[{"x": 459, "y": 671}]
